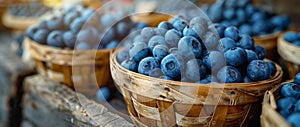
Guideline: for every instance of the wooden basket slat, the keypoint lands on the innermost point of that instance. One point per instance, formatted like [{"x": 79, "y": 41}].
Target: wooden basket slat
[
  {"x": 239, "y": 103},
  {"x": 269, "y": 116},
  {"x": 269, "y": 42}
]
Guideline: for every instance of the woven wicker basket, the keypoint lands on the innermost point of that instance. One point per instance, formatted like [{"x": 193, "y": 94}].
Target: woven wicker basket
[
  {"x": 60, "y": 65},
  {"x": 270, "y": 117},
  {"x": 290, "y": 53},
  {"x": 269, "y": 42},
  {"x": 18, "y": 23},
  {"x": 158, "y": 102}
]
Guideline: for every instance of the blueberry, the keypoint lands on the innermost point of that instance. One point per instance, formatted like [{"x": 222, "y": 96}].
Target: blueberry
[
  {"x": 260, "y": 27},
  {"x": 286, "y": 105},
  {"x": 55, "y": 23},
  {"x": 229, "y": 13},
  {"x": 250, "y": 9},
  {"x": 166, "y": 77},
  {"x": 165, "y": 25},
  {"x": 103, "y": 94},
  {"x": 173, "y": 50},
  {"x": 31, "y": 31},
  {"x": 236, "y": 57},
  {"x": 141, "y": 25},
  {"x": 138, "y": 51},
  {"x": 122, "y": 55},
  {"x": 189, "y": 47},
  {"x": 211, "y": 41},
  {"x": 258, "y": 70},
  {"x": 232, "y": 32},
  {"x": 199, "y": 20},
  {"x": 215, "y": 12},
  {"x": 148, "y": 32},
  {"x": 122, "y": 29},
  {"x": 130, "y": 65},
  {"x": 156, "y": 40},
  {"x": 229, "y": 74},
  {"x": 107, "y": 20},
  {"x": 291, "y": 36},
  {"x": 294, "y": 119},
  {"x": 246, "y": 42},
  {"x": 297, "y": 78},
  {"x": 172, "y": 37},
  {"x": 230, "y": 3},
  {"x": 282, "y": 22},
  {"x": 147, "y": 64},
  {"x": 260, "y": 52},
  {"x": 251, "y": 55},
  {"x": 226, "y": 44},
  {"x": 220, "y": 29},
  {"x": 258, "y": 16},
  {"x": 214, "y": 61},
  {"x": 82, "y": 46},
  {"x": 69, "y": 18},
  {"x": 195, "y": 30},
  {"x": 160, "y": 51},
  {"x": 179, "y": 24},
  {"x": 69, "y": 39},
  {"x": 247, "y": 79},
  {"x": 241, "y": 15},
  {"x": 161, "y": 31},
  {"x": 140, "y": 38},
  {"x": 272, "y": 67},
  {"x": 243, "y": 3},
  {"x": 55, "y": 39},
  {"x": 195, "y": 70},
  {"x": 41, "y": 36},
  {"x": 297, "y": 43},
  {"x": 172, "y": 65},
  {"x": 291, "y": 90},
  {"x": 87, "y": 13},
  {"x": 87, "y": 35},
  {"x": 112, "y": 44},
  {"x": 43, "y": 24},
  {"x": 156, "y": 73},
  {"x": 245, "y": 29},
  {"x": 77, "y": 24},
  {"x": 297, "y": 106},
  {"x": 107, "y": 37}
]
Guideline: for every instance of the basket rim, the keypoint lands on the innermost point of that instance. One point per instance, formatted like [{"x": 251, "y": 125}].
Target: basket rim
[
  {"x": 63, "y": 50},
  {"x": 267, "y": 36},
  {"x": 290, "y": 46},
  {"x": 278, "y": 75},
  {"x": 24, "y": 22}
]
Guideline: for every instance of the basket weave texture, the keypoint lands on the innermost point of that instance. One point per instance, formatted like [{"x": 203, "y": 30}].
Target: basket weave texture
[
  {"x": 158, "y": 102},
  {"x": 270, "y": 117},
  {"x": 69, "y": 66}
]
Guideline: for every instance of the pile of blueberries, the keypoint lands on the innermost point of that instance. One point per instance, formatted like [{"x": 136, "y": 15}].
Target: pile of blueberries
[
  {"x": 30, "y": 9},
  {"x": 289, "y": 104},
  {"x": 248, "y": 18},
  {"x": 189, "y": 51},
  {"x": 292, "y": 37},
  {"x": 66, "y": 30}
]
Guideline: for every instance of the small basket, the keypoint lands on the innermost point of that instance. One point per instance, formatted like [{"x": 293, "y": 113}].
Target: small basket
[
  {"x": 269, "y": 42},
  {"x": 290, "y": 53},
  {"x": 18, "y": 23},
  {"x": 85, "y": 68},
  {"x": 269, "y": 116},
  {"x": 157, "y": 102}
]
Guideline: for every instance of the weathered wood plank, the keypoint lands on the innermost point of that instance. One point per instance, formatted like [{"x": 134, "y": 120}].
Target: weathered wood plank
[{"x": 46, "y": 101}]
